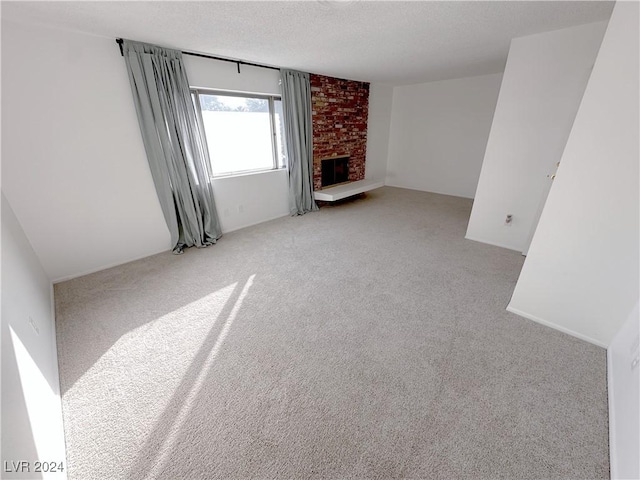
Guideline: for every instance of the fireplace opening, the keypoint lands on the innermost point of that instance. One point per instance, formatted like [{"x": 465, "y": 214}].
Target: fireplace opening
[{"x": 335, "y": 170}]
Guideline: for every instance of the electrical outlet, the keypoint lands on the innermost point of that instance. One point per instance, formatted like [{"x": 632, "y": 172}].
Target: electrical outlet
[
  {"x": 508, "y": 220},
  {"x": 240, "y": 208},
  {"x": 34, "y": 326}
]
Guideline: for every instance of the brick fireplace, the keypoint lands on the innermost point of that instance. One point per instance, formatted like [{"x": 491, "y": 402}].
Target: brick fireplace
[{"x": 340, "y": 110}]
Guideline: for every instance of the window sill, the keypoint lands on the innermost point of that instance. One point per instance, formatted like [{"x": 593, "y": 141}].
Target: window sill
[{"x": 244, "y": 174}]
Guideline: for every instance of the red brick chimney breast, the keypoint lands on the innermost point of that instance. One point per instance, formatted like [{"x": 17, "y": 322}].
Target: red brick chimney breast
[{"x": 340, "y": 110}]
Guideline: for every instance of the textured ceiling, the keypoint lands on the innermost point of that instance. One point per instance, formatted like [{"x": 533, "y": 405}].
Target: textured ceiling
[{"x": 396, "y": 43}]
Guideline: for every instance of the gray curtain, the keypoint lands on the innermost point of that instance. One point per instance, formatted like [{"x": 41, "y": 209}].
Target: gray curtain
[
  {"x": 296, "y": 112},
  {"x": 177, "y": 155}
]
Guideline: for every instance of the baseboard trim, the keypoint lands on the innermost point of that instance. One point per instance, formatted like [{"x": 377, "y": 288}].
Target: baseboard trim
[
  {"x": 426, "y": 191},
  {"x": 116, "y": 264},
  {"x": 613, "y": 467},
  {"x": 508, "y": 247},
  {"x": 546, "y": 323},
  {"x": 234, "y": 229},
  {"x": 105, "y": 267}
]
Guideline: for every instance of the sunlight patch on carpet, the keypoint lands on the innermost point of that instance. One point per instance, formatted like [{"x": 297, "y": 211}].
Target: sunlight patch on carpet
[
  {"x": 132, "y": 382},
  {"x": 169, "y": 441}
]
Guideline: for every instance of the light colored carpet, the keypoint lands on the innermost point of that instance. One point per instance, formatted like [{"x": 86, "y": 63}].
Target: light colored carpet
[{"x": 367, "y": 340}]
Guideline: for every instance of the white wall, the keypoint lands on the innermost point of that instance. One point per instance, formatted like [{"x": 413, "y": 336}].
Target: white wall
[
  {"x": 544, "y": 80},
  {"x": 31, "y": 410},
  {"x": 378, "y": 129},
  {"x": 581, "y": 273},
  {"x": 207, "y": 73},
  {"x": 74, "y": 166},
  {"x": 246, "y": 200},
  {"x": 623, "y": 374},
  {"x": 439, "y": 132}
]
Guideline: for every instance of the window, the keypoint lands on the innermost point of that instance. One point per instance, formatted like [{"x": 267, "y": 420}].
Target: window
[{"x": 243, "y": 132}]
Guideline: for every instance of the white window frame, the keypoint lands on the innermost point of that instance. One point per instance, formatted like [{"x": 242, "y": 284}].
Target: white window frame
[{"x": 272, "y": 123}]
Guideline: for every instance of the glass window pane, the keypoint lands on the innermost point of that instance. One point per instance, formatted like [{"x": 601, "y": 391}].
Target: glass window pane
[
  {"x": 281, "y": 152},
  {"x": 238, "y": 131}
]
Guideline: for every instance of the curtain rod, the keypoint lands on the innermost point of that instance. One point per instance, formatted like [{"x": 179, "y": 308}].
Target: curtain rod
[{"x": 213, "y": 57}]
